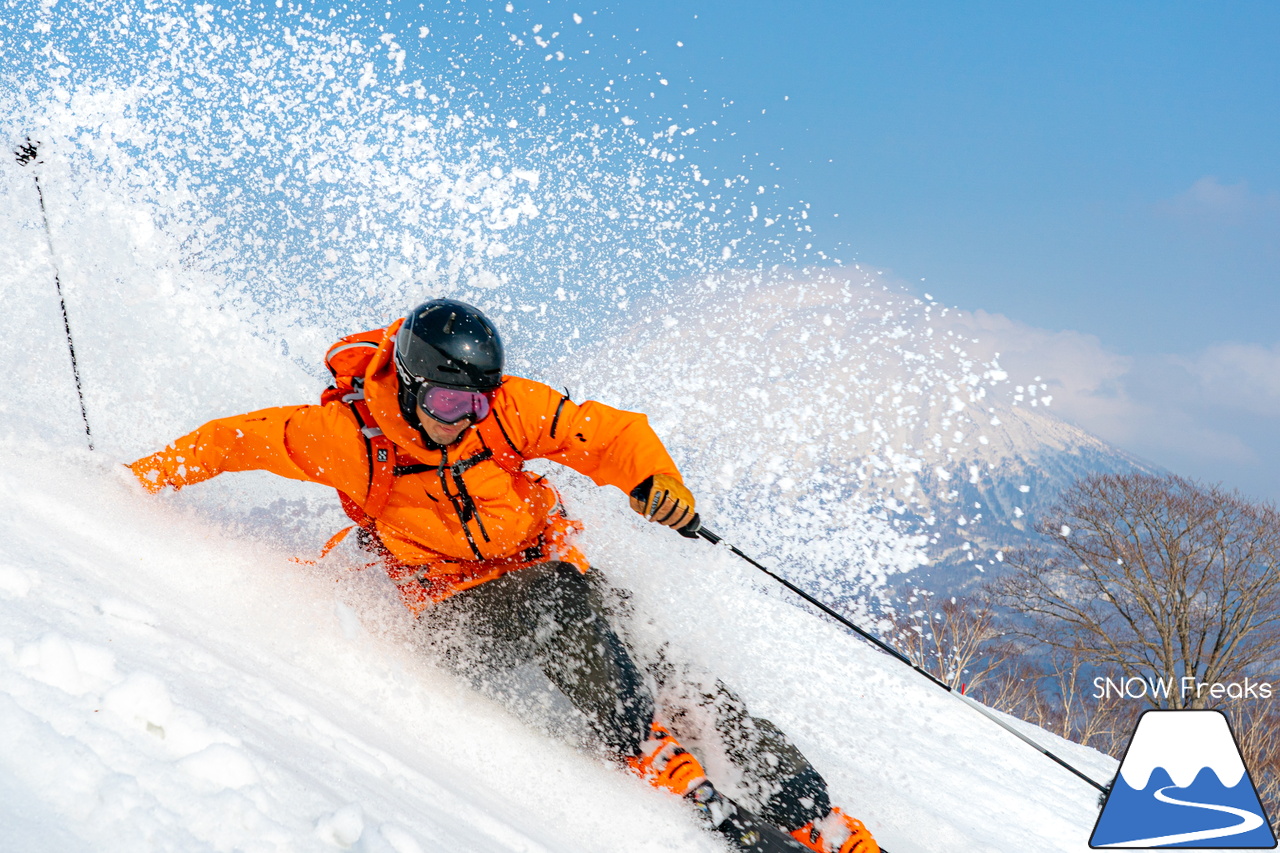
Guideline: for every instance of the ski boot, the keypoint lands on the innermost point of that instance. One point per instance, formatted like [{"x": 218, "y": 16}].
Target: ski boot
[
  {"x": 836, "y": 833},
  {"x": 665, "y": 764}
]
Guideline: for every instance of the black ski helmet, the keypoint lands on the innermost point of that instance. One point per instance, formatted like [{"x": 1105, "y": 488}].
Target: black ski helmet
[{"x": 449, "y": 343}]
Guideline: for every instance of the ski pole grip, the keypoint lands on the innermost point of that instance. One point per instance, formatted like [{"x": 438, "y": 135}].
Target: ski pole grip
[{"x": 690, "y": 530}]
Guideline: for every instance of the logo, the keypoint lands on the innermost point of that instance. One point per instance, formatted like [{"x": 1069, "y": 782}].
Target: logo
[{"x": 1182, "y": 783}]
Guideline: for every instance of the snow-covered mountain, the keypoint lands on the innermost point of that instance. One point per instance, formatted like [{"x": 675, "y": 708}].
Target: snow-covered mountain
[{"x": 171, "y": 680}]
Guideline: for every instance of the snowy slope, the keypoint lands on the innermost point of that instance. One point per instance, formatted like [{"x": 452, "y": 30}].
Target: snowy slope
[
  {"x": 165, "y": 686},
  {"x": 170, "y": 680},
  {"x": 166, "y": 689}
]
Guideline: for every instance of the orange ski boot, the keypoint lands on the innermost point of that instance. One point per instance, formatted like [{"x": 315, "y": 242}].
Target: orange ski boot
[
  {"x": 836, "y": 833},
  {"x": 665, "y": 764}
]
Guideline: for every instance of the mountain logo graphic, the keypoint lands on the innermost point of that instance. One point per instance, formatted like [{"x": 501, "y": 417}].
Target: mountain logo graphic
[{"x": 1182, "y": 783}]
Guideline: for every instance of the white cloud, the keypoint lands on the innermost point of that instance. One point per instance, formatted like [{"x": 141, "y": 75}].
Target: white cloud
[
  {"x": 1198, "y": 415},
  {"x": 1091, "y": 382},
  {"x": 1243, "y": 376},
  {"x": 1210, "y": 201},
  {"x": 1211, "y": 415}
]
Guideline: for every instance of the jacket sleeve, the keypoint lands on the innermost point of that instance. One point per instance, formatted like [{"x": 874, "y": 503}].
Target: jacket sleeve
[
  {"x": 292, "y": 441},
  {"x": 611, "y": 446}
]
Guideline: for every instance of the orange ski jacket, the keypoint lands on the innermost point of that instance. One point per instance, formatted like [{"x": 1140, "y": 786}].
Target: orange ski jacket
[{"x": 453, "y": 518}]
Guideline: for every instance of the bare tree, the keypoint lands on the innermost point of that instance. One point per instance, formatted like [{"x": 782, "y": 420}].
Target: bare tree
[
  {"x": 1157, "y": 577},
  {"x": 1016, "y": 688},
  {"x": 1052, "y": 689},
  {"x": 956, "y": 640},
  {"x": 1256, "y": 724}
]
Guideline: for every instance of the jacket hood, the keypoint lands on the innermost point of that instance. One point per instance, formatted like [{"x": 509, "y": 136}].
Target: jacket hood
[{"x": 381, "y": 388}]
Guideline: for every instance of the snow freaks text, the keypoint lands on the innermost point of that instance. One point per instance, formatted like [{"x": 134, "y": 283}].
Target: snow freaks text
[{"x": 1188, "y": 687}]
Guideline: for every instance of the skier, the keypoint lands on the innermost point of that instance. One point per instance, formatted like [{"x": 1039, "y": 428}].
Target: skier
[{"x": 424, "y": 438}]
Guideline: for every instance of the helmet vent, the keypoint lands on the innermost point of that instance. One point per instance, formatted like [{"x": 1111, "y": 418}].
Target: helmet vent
[{"x": 448, "y": 327}]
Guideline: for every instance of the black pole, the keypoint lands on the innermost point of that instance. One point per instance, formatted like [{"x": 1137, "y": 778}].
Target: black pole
[
  {"x": 27, "y": 154},
  {"x": 695, "y": 529}
]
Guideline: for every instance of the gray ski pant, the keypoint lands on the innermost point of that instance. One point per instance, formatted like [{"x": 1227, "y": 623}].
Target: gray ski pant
[{"x": 553, "y": 617}]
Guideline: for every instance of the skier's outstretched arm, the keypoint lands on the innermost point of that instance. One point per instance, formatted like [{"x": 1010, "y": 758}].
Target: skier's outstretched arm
[{"x": 291, "y": 441}]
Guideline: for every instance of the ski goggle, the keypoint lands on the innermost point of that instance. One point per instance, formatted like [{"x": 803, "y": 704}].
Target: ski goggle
[{"x": 451, "y": 405}]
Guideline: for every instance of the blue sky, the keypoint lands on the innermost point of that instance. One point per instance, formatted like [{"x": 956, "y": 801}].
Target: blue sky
[
  {"x": 1099, "y": 180},
  {"x": 1110, "y": 168}
]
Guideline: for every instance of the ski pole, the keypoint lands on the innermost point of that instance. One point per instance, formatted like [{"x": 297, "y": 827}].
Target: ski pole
[
  {"x": 27, "y": 154},
  {"x": 694, "y": 529}
]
